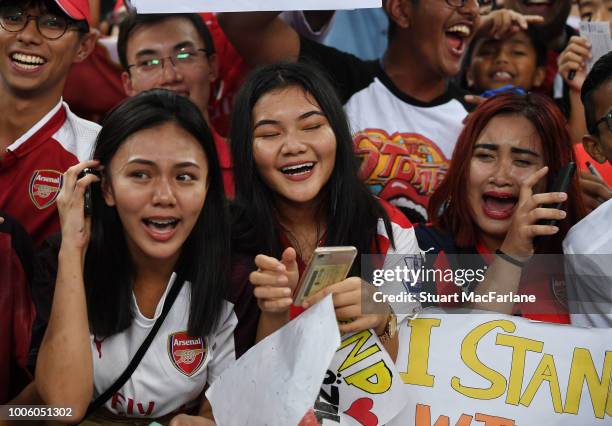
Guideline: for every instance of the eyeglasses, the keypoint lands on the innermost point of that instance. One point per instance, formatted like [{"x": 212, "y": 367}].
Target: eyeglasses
[
  {"x": 185, "y": 58},
  {"x": 607, "y": 118},
  {"x": 49, "y": 26}
]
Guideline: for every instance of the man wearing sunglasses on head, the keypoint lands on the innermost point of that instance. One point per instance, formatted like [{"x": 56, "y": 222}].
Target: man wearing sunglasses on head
[
  {"x": 174, "y": 52},
  {"x": 39, "y": 137}
]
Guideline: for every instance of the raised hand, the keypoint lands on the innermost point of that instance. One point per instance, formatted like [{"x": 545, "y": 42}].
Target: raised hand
[
  {"x": 274, "y": 281},
  {"x": 573, "y": 61},
  {"x": 70, "y": 205},
  {"x": 503, "y": 23},
  {"x": 524, "y": 227}
]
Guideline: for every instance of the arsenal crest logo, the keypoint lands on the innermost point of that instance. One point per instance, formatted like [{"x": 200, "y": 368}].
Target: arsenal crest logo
[
  {"x": 559, "y": 291},
  {"x": 186, "y": 353},
  {"x": 44, "y": 187}
]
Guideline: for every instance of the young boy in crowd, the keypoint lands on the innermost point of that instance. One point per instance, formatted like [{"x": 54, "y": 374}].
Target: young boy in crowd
[
  {"x": 405, "y": 112},
  {"x": 39, "y": 137},
  {"x": 515, "y": 62},
  {"x": 589, "y": 242},
  {"x": 554, "y": 33}
]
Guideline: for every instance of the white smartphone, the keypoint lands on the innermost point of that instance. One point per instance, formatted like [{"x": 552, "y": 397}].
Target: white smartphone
[{"x": 328, "y": 265}]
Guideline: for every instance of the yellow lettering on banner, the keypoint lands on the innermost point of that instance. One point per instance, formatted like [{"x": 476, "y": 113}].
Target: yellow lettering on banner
[
  {"x": 583, "y": 369},
  {"x": 470, "y": 358},
  {"x": 356, "y": 353},
  {"x": 520, "y": 346},
  {"x": 418, "y": 352},
  {"x": 546, "y": 371},
  {"x": 374, "y": 379}
]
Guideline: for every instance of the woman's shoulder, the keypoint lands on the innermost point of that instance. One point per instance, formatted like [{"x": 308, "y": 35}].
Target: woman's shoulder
[{"x": 404, "y": 240}]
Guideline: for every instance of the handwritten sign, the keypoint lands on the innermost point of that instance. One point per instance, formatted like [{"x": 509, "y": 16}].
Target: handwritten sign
[
  {"x": 362, "y": 385},
  {"x": 496, "y": 370}
]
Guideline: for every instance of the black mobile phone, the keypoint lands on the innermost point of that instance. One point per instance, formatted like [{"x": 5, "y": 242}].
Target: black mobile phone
[
  {"x": 560, "y": 184},
  {"x": 87, "y": 203}
]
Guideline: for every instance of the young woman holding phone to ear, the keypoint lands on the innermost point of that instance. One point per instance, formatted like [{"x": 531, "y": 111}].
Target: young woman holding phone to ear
[
  {"x": 491, "y": 206},
  {"x": 156, "y": 244}
]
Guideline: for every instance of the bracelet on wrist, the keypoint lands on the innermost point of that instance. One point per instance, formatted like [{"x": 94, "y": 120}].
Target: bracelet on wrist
[
  {"x": 510, "y": 259},
  {"x": 390, "y": 328}
]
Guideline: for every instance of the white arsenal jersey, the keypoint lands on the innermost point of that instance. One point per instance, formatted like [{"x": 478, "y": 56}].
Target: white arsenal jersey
[{"x": 175, "y": 368}]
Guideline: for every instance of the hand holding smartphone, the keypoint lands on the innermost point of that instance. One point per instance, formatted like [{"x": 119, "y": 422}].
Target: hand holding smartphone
[
  {"x": 328, "y": 265},
  {"x": 560, "y": 184},
  {"x": 87, "y": 203}
]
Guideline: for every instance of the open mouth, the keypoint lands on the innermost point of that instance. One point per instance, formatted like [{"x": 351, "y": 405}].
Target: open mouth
[
  {"x": 499, "y": 206},
  {"x": 502, "y": 76},
  {"x": 298, "y": 169},
  {"x": 457, "y": 37},
  {"x": 161, "y": 225},
  {"x": 28, "y": 62}
]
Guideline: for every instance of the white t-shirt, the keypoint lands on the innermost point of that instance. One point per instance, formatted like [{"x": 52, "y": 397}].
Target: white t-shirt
[
  {"x": 588, "y": 265},
  {"x": 175, "y": 368}
]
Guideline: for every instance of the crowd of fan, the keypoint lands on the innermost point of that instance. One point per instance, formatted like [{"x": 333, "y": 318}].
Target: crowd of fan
[{"x": 423, "y": 124}]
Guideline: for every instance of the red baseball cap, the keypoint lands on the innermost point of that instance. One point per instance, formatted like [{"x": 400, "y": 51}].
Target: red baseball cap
[{"x": 76, "y": 9}]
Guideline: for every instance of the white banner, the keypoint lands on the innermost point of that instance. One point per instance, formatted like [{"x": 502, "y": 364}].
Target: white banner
[
  {"x": 496, "y": 370},
  {"x": 188, "y": 6}
]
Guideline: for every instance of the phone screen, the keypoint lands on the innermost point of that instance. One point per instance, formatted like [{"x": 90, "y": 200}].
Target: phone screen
[{"x": 327, "y": 266}]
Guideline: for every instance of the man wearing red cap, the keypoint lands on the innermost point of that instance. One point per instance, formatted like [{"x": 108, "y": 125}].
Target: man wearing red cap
[
  {"x": 39, "y": 136},
  {"x": 39, "y": 139}
]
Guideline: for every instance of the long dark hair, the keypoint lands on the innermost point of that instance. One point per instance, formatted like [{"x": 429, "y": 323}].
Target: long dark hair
[
  {"x": 109, "y": 270},
  {"x": 451, "y": 195},
  {"x": 351, "y": 211}
]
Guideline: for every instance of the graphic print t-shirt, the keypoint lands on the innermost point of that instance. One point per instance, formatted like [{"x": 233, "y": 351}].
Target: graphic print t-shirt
[{"x": 405, "y": 145}]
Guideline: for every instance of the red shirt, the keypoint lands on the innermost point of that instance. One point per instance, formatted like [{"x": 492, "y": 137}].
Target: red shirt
[
  {"x": 232, "y": 73},
  {"x": 31, "y": 169},
  {"x": 544, "y": 280},
  {"x": 98, "y": 75},
  {"x": 225, "y": 162}
]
